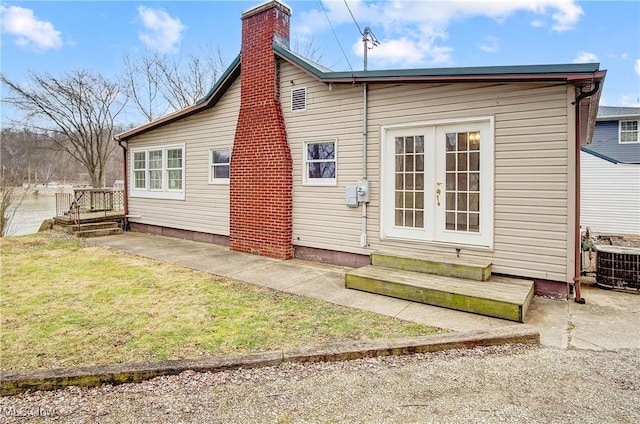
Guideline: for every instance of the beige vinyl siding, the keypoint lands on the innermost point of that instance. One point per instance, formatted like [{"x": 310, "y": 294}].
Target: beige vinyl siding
[
  {"x": 531, "y": 189},
  {"x": 532, "y": 135},
  {"x": 320, "y": 217},
  {"x": 206, "y": 206}
]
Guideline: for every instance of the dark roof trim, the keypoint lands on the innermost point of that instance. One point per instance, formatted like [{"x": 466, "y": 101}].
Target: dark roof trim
[
  {"x": 213, "y": 96},
  {"x": 599, "y": 155},
  {"x": 561, "y": 72}
]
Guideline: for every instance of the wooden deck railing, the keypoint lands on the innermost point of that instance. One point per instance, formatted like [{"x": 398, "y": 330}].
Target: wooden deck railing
[{"x": 89, "y": 200}]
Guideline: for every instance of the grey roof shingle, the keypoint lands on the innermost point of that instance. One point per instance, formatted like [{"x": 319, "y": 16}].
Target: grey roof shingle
[{"x": 617, "y": 112}]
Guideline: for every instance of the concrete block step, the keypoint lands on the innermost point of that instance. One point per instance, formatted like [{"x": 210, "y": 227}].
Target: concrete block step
[
  {"x": 472, "y": 269},
  {"x": 499, "y": 297},
  {"x": 98, "y": 232},
  {"x": 73, "y": 228}
]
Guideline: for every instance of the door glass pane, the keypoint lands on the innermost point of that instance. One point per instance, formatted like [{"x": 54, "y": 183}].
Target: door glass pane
[
  {"x": 461, "y": 224},
  {"x": 419, "y": 219},
  {"x": 462, "y": 187},
  {"x": 408, "y": 163},
  {"x": 451, "y": 142},
  {"x": 474, "y": 202},
  {"x": 462, "y": 202},
  {"x": 408, "y": 218},
  {"x": 462, "y": 142},
  {"x": 419, "y": 144},
  {"x": 451, "y": 221},
  {"x": 474, "y": 161},
  {"x": 399, "y": 145},
  {"x": 462, "y": 181},
  {"x": 474, "y": 181},
  {"x": 419, "y": 200},
  {"x": 474, "y": 222},
  {"x": 419, "y": 181},
  {"x": 408, "y": 200},
  {"x": 408, "y": 145},
  {"x": 399, "y": 163},
  {"x": 462, "y": 162},
  {"x": 409, "y": 181}
]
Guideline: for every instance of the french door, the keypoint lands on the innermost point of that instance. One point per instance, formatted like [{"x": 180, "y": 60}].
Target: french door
[{"x": 437, "y": 182}]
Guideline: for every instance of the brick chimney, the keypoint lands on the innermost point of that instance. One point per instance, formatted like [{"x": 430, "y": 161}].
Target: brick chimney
[{"x": 261, "y": 179}]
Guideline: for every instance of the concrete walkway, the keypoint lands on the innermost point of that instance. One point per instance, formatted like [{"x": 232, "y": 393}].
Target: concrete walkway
[{"x": 609, "y": 320}]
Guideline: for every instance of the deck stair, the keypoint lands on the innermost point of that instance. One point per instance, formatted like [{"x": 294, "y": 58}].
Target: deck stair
[{"x": 451, "y": 283}]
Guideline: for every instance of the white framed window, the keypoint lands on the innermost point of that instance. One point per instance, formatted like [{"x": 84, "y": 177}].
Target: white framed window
[
  {"x": 158, "y": 172},
  {"x": 299, "y": 99},
  {"x": 320, "y": 162},
  {"x": 629, "y": 132},
  {"x": 139, "y": 170},
  {"x": 219, "y": 165}
]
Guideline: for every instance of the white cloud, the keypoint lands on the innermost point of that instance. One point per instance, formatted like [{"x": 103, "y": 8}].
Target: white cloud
[
  {"x": 585, "y": 57},
  {"x": 490, "y": 45},
  {"x": 162, "y": 32},
  {"x": 637, "y": 67},
  {"x": 28, "y": 30},
  {"x": 567, "y": 15},
  {"x": 537, "y": 23},
  {"x": 406, "y": 53},
  {"x": 419, "y": 29}
]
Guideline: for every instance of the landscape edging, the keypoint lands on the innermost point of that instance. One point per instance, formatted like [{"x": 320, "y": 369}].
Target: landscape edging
[{"x": 13, "y": 383}]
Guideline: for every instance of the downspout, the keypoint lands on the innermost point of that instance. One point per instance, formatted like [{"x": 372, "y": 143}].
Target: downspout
[
  {"x": 363, "y": 235},
  {"x": 126, "y": 184},
  {"x": 577, "y": 241}
]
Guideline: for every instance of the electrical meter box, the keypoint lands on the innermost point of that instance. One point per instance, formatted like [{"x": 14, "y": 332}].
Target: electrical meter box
[
  {"x": 351, "y": 196},
  {"x": 364, "y": 192}
]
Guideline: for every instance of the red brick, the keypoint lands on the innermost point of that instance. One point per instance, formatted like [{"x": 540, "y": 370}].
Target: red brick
[{"x": 261, "y": 166}]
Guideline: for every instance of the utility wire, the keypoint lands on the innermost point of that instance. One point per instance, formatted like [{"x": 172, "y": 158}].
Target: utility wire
[
  {"x": 336, "y": 35},
  {"x": 353, "y": 17}
]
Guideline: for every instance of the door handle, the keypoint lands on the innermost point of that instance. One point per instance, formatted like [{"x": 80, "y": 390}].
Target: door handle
[{"x": 438, "y": 196}]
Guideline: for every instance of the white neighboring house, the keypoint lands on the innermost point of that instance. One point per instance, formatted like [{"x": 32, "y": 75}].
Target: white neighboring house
[{"x": 610, "y": 173}]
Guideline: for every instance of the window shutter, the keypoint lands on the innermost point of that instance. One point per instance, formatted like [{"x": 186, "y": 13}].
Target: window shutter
[{"x": 299, "y": 99}]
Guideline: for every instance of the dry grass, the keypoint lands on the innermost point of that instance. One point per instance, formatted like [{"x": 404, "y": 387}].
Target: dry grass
[{"x": 65, "y": 303}]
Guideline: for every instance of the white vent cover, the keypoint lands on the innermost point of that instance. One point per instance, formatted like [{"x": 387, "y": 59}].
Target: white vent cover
[{"x": 299, "y": 99}]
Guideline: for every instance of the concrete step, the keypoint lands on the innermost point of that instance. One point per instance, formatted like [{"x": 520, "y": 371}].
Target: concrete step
[
  {"x": 499, "y": 297},
  {"x": 98, "y": 232},
  {"x": 471, "y": 269},
  {"x": 91, "y": 229}
]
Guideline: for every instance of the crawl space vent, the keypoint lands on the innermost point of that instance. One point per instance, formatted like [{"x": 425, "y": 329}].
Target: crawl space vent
[{"x": 299, "y": 99}]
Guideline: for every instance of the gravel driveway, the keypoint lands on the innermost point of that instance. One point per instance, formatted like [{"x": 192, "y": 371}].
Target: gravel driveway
[{"x": 496, "y": 384}]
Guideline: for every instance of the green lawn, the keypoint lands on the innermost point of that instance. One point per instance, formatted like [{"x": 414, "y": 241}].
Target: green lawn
[{"x": 65, "y": 303}]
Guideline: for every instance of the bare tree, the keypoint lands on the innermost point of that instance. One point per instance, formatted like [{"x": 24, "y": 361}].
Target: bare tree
[
  {"x": 11, "y": 195},
  {"x": 142, "y": 79},
  {"x": 159, "y": 83},
  {"x": 309, "y": 50},
  {"x": 77, "y": 111}
]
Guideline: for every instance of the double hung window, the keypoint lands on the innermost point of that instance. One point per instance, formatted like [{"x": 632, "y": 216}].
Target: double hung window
[
  {"x": 629, "y": 132},
  {"x": 320, "y": 163},
  {"x": 158, "y": 172},
  {"x": 219, "y": 166}
]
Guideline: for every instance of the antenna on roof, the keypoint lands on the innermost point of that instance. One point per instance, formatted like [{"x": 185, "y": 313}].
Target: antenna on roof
[{"x": 368, "y": 37}]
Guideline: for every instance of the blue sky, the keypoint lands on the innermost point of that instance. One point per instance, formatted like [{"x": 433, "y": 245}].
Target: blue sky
[{"x": 54, "y": 36}]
